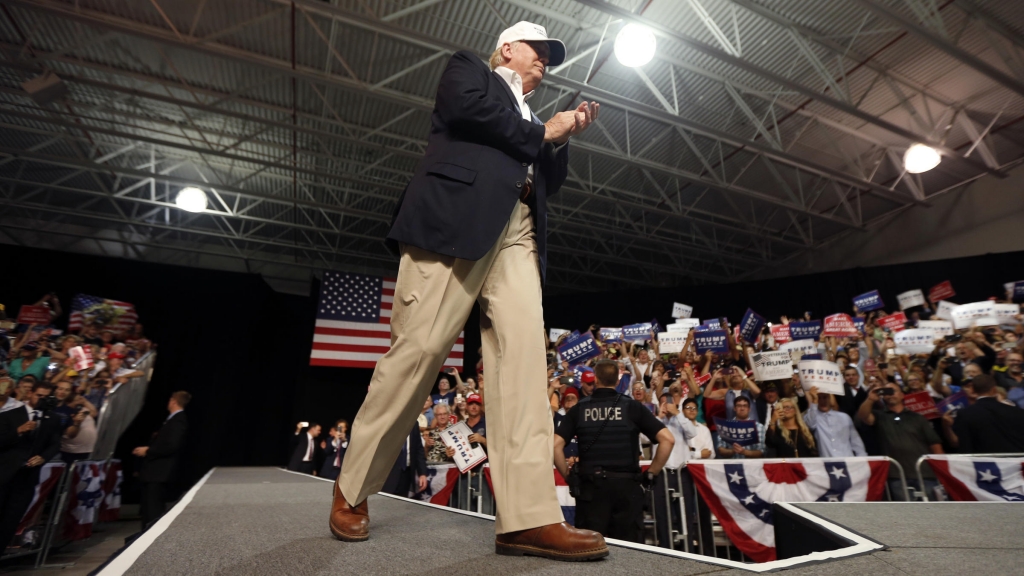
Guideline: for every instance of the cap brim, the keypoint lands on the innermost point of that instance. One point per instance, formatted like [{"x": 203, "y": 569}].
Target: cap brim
[{"x": 557, "y": 52}]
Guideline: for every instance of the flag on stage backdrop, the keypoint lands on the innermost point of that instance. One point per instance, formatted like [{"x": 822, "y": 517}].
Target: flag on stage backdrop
[
  {"x": 741, "y": 493},
  {"x": 83, "y": 500},
  {"x": 353, "y": 322},
  {"x": 110, "y": 509},
  {"x": 970, "y": 479},
  {"x": 49, "y": 476},
  {"x": 118, "y": 316},
  {"x": 441, "y": 480}
]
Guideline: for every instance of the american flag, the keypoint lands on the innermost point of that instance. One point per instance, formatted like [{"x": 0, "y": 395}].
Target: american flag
[
  {"x": 118, "y": 316},
  {"x": 353, "y": 322}
]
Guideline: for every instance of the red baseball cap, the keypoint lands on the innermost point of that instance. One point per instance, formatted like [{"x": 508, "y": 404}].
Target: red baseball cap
[
  {"x": 474, "y": 398},
  {"x": 587, "y": 377},
  {"x": 116, "y": 355}
]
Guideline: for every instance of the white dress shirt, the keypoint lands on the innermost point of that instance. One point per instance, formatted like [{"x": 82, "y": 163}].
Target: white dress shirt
[
  {"x": 515, "y": 82},
  {"x": 683, "y": 431},
  {"x": 309, "y": 448}
]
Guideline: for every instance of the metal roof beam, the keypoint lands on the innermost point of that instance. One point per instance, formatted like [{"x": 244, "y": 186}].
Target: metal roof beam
[
  {"x": 611, "y": 9},
  {"x": 942, "y": 43}
]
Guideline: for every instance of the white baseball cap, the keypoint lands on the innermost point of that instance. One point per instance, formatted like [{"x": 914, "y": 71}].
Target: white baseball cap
[{"x": 531, "y": 32}]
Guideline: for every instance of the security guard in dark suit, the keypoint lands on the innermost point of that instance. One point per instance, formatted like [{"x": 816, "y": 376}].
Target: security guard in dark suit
[{"x": 607, "y": 426}]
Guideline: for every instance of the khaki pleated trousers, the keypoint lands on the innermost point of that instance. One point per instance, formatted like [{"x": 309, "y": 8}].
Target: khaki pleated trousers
[{"x": 434, "y": 296}]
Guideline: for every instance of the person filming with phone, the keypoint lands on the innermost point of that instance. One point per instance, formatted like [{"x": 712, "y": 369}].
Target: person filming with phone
[{"x": 904, "y": 435}]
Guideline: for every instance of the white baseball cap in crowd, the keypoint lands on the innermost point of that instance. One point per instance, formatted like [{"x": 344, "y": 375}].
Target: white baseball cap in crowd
[{"x": 531, "y": 32}]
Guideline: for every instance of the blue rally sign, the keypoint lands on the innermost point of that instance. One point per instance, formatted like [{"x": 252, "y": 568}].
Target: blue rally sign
[
  {"x": 715, "y": 340},
  {"x": 868, "y": 301},
  {"x": 712, "y": 324},
  {"x": 637, "y": 332},
  {"x": 742, "y": 432},
  {"x": 809, "y": 330},
  {"x": 751, "y": 326},
  {"x": 580, "y": 349}
]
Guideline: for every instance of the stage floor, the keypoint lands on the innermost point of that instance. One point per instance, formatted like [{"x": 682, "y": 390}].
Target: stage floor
[{"x": 256, "y": 521}]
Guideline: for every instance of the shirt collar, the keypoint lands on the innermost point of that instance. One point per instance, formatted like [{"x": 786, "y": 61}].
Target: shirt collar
[
  {"x": 11, "y": 404},
  {"x": 515, "y": 82},
  {"x": 172, "y": 415}
]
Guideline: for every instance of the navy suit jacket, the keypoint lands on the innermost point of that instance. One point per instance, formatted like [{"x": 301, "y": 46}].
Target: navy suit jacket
[{"x": 478, "y": 152}]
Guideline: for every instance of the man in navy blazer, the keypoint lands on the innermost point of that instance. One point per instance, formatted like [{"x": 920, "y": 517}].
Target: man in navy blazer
[{"x": 471, "y": 227}]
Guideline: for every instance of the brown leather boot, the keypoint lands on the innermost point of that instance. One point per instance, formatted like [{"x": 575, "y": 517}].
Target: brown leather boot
[
  {"x": 555, "y": 541},
  {"x": 348, "y": 523}
]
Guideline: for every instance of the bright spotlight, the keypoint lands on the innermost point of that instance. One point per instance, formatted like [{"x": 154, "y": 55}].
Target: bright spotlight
[
  {"x": 635, "y": 45},
  {"x": 920, "y": 158},
  {"x": 191, "y": 199}
]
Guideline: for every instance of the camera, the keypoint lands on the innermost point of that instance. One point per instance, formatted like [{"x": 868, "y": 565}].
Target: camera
[
  {"x": 886, "y": 391},
  {"x": 566, "y": 380},
  {"x": 47, "y": 403},
  {"x": 953, "y": 337}
]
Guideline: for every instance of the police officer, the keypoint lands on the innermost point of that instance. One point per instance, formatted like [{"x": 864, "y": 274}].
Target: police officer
[{"x": 607, "y": 426}]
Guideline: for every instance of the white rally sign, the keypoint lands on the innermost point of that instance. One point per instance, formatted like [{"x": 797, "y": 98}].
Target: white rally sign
[
  {"x": 797, "y": 348},
  {"x": 555, "y": 333},
  {"x": 915, "y": 341},
  {"x": 681, "y": 310},
  {"x": 910, "y": 299},
  {"x": 965, "y": 315},
  {"x": 939, "y": 328},
  {"x": 944, "y": 310},
  {"x": 772, "y": 366},
  {"x": 671, "y": 342},
  {"x": 821, "y": 373},
  {"x": 684, "y": 325}
]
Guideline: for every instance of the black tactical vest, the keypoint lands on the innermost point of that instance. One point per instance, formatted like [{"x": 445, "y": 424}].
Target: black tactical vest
[{"x": 617, "y": 448}]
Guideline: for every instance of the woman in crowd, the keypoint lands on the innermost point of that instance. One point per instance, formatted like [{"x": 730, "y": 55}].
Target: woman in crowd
[
  {"x": 641, "y": 395},
  {"x": 788, "y": 436}
]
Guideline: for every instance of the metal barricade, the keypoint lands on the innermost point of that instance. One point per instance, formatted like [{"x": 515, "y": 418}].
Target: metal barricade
[{"x": 923, "y": 459}]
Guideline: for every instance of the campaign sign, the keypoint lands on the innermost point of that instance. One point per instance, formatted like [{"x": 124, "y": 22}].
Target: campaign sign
[
  {"x": 811, "y": 357},
  {"x": 840, "y": 326},
  {"x": 702, "y": 380},
  {"x": 681, "y": 310},
  {"x": 941, "y": 291},
  {"x": 742, "y": 432},
  {"x": 467, "y": 456},
  {"x": 1018, "y": 291},
  {"x": 809, "y": 330},
  {"x": 957, "y": 401},
  {"x": 637, "y": 332},
  {"x": 915, "y": 341},
  {"x": 922, "y": 403},
  {"x": 712, "y": 324},
  {"x": 82, "y": 357},
  {"x": 579, "y": 350},
  {"x": 858, "y": 323},
  {"x": 797, "y": 348},
  {"x": 610, "y": 335},
  {"x": 944, "y": 310},
  {"x": 750, "y": 326},
  {"x": 821, "y": 373},
  {"x": 655, "y": 326},
  {"x": 965, "y": 314},
  {"x": 34, "y": 315},
  {"x": 868, "y": 301},
  {"x": 1006, "y": 313},
  {"x": 780, "y": 333},
  {"x": 671, "y": 342},
  {"x": 772, "y": 366},
  {"x": 555, "y": 333},
  {"x": 910, "y": 299},
  {"x": 715, "y": 340},
  {"x": 939, "y": 328},
  {"x": 896, "y": 321}
]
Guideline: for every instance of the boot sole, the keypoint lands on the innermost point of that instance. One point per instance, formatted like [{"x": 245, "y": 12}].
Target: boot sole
[
  {"x": 519, "y": 550},
  {"x": 348, "y": 537}
]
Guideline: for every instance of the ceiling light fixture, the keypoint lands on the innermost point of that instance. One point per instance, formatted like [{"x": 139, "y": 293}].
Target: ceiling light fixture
[
  {"x": 635, "y": 45},
  {"x": 920, "y": 158},
  {"x": 191, "y": 199}
]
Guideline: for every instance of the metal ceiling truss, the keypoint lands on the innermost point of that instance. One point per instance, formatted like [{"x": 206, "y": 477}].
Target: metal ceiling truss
[{"x": 313, "y": 188}]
